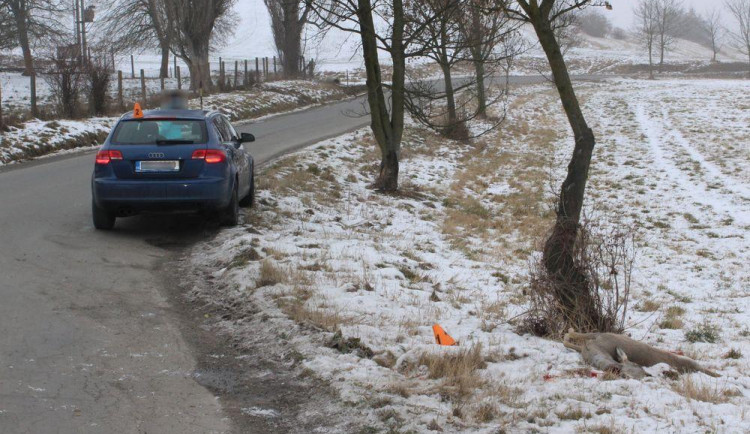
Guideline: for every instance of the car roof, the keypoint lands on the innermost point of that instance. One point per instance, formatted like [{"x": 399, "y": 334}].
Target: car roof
[{"x": 171, "y": 113}]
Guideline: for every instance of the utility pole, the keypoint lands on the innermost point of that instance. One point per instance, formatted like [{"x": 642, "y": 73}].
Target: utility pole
[
  {"x": 83, "y": 32},
  {"x": 78, "y": 29}
]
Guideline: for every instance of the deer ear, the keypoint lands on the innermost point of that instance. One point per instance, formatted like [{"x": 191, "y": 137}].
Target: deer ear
[{"x": 621, "y": 355}]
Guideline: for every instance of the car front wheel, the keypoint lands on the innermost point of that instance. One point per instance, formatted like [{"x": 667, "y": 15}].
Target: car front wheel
[{"x": 103, "y": 219}]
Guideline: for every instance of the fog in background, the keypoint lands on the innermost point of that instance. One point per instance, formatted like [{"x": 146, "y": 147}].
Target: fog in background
[{"x": 621, "y": 14}]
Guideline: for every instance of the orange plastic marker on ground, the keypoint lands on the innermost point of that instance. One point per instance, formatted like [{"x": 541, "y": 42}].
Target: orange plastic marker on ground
[
  {"x": 441, "y": 337},
  {"x": 137, "y": 112}
]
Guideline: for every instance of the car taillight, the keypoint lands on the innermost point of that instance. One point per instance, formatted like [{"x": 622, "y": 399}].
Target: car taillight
[
  {"x": 104, "y": 157},
  {"x": 211, "y": 156}
]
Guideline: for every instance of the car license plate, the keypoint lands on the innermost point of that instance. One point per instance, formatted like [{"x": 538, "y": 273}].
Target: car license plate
[{"x": 157, "y": 166}]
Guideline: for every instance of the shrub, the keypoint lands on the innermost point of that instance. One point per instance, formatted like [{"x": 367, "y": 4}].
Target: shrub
[
  {"x": 98, "y": 76},
  {"x": 704, "y": 333},
  {"x": 65, "y": 80},
  {"x": 594, "y": 23},
  {"x": 599, "y": 286}
]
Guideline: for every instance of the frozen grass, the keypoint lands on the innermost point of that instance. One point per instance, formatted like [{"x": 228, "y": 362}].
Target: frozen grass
[{"x": 453, "y": 247}]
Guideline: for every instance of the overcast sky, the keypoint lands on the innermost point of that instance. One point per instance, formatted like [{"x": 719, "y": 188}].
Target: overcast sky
[{"x": 622, "y": 13}]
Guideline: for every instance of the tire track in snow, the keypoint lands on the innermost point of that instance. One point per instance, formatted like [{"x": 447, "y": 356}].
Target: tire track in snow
[
  {"x": 732, "y": 205},
  {"x": 733, "y": 185}
]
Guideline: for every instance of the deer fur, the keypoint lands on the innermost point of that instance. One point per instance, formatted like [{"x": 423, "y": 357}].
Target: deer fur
[{"x": 619, "y": 353}]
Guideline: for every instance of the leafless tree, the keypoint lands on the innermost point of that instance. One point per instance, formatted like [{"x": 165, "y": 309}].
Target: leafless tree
[
  {"x": 594, "y": 23},
  {"x": 198, "y": 24},
  {"x": 32, "y": 21},
  {"x": 646, "y": 29},
  {"x": 7, "y": 29},
  {"x": 386, "y": 109},
  {"x": 97, "y": 75},
  {"x": 668, "y": 19},
  {"x": 491, "y": 38},
  {"x": 140, "y": 24},
  {"x": 740, "y": 11},
  {"x": 65, "y": 79},
  {"x": 456, "y": 32},
  {"x": 442, "y": 41},
  {"x": 573, "y": 288},
  {"x": 288, "y": 19},
  {"x": 714, "y": 31}
]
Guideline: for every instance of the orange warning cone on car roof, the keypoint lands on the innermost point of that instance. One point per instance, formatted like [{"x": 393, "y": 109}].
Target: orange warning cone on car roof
[
  {"x": 137, "y": 112},
  {"x": 441, "y": 337}
]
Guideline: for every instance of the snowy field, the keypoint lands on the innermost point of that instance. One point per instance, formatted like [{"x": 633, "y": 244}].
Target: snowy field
[{"x": 351, "y": 281}]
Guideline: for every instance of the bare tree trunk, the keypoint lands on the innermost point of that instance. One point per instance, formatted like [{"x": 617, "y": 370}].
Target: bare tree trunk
[
  {"x": 481, "y": 93},
  {"x": 22, "y": 30},
  {"x": 200, "y": 68},
  {"x": 291, "y": 55},
  {"x": 661, "y": 55},
  {"x": 651, "y": 63},
  {"x": 2, "y": 123},
  {"x": 164, "y": 70},
  {"x": 558, "y": 252},
  {"x": 450, "y": 97},
  {"x": 386, "y": 127}
]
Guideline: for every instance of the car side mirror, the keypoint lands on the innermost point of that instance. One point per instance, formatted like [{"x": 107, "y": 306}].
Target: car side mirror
[{"x": 246, "y": 138}]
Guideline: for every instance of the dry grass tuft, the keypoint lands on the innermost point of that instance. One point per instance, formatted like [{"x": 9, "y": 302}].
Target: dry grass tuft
[
  {"x": 457, "y": 370},
  {"x": 706, "y": 391},
  {"x": 271, "y": 274}
]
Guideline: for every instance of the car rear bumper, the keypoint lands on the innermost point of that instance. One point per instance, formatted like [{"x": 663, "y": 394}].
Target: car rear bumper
[{"x": 127, "y": 196}]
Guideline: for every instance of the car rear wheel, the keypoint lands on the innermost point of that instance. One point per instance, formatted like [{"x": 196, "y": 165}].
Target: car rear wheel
[
  {"x": 231, "y": 214},
  {"x": 103, "y": 219},
  {"x": 248, "y": 200}
]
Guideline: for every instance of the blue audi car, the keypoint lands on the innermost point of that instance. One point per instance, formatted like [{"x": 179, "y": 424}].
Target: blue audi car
[{"x": 172, "y": 160}]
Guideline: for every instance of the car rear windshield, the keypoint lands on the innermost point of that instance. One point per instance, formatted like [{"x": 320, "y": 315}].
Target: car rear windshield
[{"x": 160, "y": 132}]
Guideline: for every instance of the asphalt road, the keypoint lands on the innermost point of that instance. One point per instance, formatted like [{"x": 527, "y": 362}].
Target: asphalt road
[{"x": 89, "y": 340}]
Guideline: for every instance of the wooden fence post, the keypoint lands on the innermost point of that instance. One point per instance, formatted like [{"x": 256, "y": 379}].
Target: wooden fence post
[
  {"x": 274, "y": 66},
  {"x": 179, "y": 78},
  {"x": 245, "y": 78},
  {"x": 2, "y": 125},
  {"x": 34, "y": 112},
  {"x": 236, "y": 72},
  {"x": 174, "y": 64},
  {"x": 120, "y": 99},
  {"x": 143, "y": 87},
  {"x": 132, "y": 66},
  {"x": 222, "y": 81},
  {"x": 257, "y": 73}
]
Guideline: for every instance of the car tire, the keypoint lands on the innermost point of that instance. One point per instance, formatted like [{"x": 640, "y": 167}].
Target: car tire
[
  {"x": 249, "y": 199},
  {"x": 231, "y": 214},
  {"x": 103, "y": 219}
]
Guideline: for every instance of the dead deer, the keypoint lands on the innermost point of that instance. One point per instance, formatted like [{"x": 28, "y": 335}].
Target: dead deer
[{"x": 619, "y": 353}]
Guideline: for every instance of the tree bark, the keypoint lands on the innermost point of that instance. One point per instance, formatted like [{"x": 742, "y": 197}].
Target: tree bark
[
  {"x": 20, "y": 14},
  {"x": 481, "y": 93},
  {"x": 199, "y": 66},
  {"x": 164, "y": 70},
  {"x": 559, "y": 249},
  {"x": 2, "y": 123},
  {"x": 450, "y": 97},
  {"x": 386, "y": 127}
]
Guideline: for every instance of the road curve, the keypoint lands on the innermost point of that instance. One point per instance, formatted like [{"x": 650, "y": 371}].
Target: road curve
[{"x": 90, "y": 342}]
